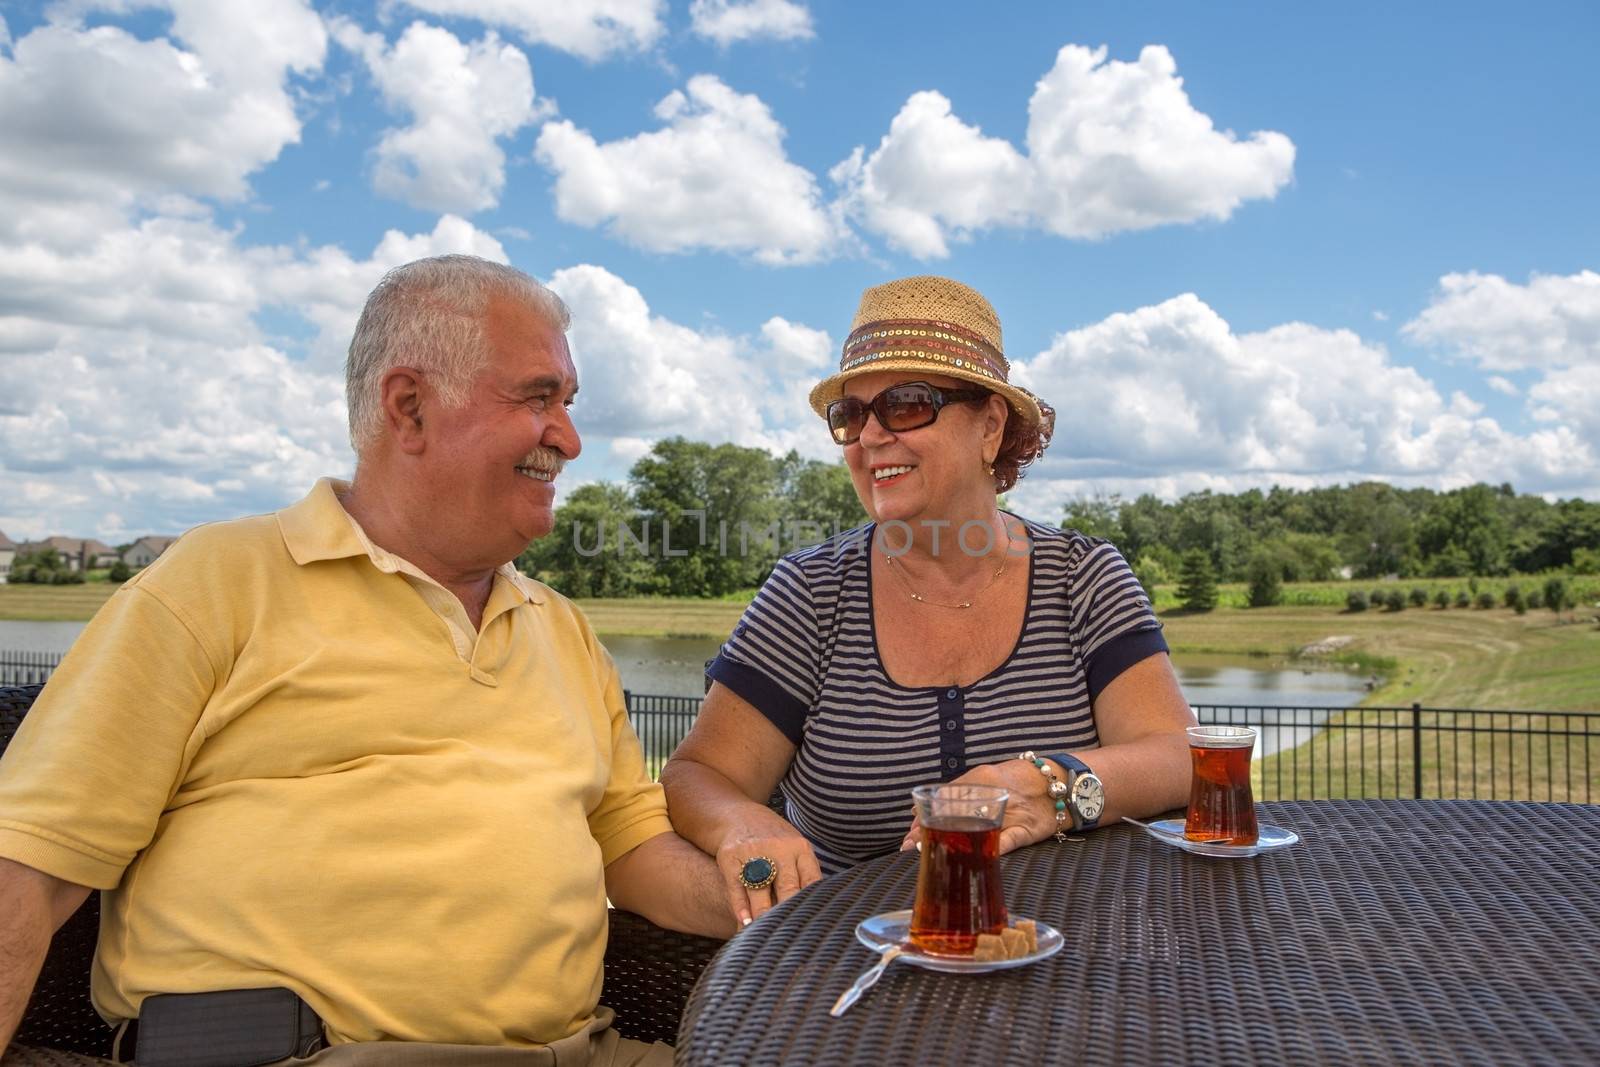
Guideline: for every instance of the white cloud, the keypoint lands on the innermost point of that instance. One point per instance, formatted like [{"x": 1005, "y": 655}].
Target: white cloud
[
  {"x": 462, "y": 99},
  {"x": 646, "y": 377},
  {"x": 629, "y": 450},
  {"x": 95, "y": 118},
  {"x": 1570, "y": 396},
  {"x": 1168, "y": 396},
  {"x": 1111, "y": 146},
  {"x": 715, "y": 177},
  {"x": 932, "y": 177},
  {"x": 141, "y": 394},
  {"x": 1553, "y": 321},
  {"x": 727, "y": 21},
  {"x": 1501, "y": 385},
  {"x": 592, "y": 29},
  {"x": 327, "y": 287},
  {"x": 797, "y": 347}
]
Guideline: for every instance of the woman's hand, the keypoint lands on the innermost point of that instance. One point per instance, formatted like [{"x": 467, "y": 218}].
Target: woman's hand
[
  {"x": 1030, "y": 813},
  {"x": 767, "y": 835}
]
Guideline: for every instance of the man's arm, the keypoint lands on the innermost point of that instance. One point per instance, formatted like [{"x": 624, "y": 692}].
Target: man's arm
[
  {"x": 673, "y": 884},
  {"x": 33, "y": 905}
]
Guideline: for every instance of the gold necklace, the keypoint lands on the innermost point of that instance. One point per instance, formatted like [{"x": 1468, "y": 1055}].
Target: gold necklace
[{"x": 920, "y": 599}]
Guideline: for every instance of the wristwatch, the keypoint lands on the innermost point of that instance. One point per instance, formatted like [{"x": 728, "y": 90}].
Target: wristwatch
[{"x": 1086, "y": 797}]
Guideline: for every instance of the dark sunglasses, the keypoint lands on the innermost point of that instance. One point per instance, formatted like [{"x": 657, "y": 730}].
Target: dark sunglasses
[{"x": 907, "y": 406}]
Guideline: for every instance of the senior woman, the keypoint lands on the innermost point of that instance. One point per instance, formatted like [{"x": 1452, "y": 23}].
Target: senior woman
[{"x": 945, "y": 640}]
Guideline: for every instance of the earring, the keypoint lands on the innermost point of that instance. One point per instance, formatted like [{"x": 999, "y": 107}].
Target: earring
[{"x": 989, "y": 467}]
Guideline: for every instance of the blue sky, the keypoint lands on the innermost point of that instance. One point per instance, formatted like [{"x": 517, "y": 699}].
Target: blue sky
[{"x": 1235, "y": 244}]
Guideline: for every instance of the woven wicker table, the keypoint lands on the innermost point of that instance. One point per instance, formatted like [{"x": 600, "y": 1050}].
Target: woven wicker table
[{"x": 1402, "y": 932}]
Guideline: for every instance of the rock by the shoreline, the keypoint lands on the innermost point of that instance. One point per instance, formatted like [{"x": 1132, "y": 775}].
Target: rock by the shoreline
[{"x": 1327, "y": 646}]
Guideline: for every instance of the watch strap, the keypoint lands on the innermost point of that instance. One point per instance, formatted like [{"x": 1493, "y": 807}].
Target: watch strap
[{"x": 1076, "y": 768}]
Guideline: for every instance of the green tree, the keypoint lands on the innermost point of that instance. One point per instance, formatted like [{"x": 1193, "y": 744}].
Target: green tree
[
  {"x": 1469, "y": 521},
  {"x": 1206, "y": 521},
  {"x": 1449, "y": 562},
  {"x": 1197, "y": 582},
  {"x": 1150, "y": 572},
  {"x": 818, "y": 494},
  {"x": 1555, "y": 594},
  {"x": 587, "y": 553},
  {"x": 1376, "y": 530},
  {"x": 1146, "y": 524},
  {"x": 713, "y": 515},
  {"x": 43, "y": 566},
  {"x": 119, "y": 573},
  {"x": 1266, "y": 579},
  {"x": 1355, "y": 600},
  {"x": 1096, "y": 516}
]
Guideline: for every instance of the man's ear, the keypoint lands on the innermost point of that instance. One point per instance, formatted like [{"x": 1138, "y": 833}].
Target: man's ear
[{"x": 401, "y": 395}]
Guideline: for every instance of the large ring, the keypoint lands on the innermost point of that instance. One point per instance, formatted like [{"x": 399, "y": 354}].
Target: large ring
[{"x": 758, "y": 873}]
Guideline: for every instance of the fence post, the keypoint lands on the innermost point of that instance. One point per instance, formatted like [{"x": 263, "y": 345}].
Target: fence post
[{"x": 1416, "y": 750}]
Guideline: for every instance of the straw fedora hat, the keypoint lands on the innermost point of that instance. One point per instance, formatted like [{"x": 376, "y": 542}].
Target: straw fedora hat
[{"x": 930, "y": 325}]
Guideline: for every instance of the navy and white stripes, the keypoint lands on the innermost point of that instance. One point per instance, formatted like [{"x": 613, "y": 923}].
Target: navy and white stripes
[{"x": 804, "y": 656}]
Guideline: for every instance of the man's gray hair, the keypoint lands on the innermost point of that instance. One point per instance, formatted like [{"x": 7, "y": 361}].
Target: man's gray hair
[{"x": 429, "y": 315}]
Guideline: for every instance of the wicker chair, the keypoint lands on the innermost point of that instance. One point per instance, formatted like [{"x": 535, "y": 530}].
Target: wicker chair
[{"x": 648, "y": 970}]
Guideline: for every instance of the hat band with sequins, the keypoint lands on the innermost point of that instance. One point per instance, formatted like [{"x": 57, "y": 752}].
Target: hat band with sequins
[{"x": 940, "y": 342}]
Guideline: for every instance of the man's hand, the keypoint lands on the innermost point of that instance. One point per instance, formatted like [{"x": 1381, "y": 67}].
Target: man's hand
[
  {"x": 33, "y": 905},
  {"x": 674, "y": 885}
]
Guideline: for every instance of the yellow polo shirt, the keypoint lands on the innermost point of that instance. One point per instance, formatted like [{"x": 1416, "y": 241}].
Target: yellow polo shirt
[{"x": 276, "y": 753}]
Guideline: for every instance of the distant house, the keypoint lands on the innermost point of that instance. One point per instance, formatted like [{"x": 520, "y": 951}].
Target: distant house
[
  {"x": 8, "y": 552},
  {"x": 80, "y": 553},
  {"x": 144, "y": 551}
]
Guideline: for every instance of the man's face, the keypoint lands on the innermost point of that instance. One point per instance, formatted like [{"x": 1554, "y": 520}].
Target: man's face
[{"x": 494, "y": 460}]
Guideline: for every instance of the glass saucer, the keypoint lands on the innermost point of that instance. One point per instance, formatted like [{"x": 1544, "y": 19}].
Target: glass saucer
[
  {"x": 894, "y": 928},
  {"x": 1170, "y": 832}
]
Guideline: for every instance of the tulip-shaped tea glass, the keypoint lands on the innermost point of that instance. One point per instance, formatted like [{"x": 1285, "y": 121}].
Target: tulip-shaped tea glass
[
  {"x": 959, "y": 894},
  {"x": 1222, "y": 809}
]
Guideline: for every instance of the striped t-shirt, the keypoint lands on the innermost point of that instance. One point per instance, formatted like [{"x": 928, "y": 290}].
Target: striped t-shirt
[{"x": 804, "y": 655}]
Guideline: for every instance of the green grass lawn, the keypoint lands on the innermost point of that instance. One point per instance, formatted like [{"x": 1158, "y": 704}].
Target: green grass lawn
[{"x": 53, "y": 603}]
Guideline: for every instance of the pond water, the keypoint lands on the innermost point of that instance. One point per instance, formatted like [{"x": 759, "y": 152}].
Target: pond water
[{"x": 675, "y": 666}]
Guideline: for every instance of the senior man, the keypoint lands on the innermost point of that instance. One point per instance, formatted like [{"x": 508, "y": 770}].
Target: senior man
[{"x": 347, "y": 751}]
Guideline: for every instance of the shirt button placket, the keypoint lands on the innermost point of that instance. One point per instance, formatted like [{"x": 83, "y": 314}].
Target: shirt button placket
[{"x": 952, "y": 734}]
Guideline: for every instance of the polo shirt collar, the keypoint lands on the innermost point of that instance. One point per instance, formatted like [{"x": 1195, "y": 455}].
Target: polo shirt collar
[{"x": 318, "y": 528}]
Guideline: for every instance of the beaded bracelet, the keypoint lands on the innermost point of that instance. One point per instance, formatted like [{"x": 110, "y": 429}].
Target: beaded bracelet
[{"x": 1057, "y": 790}]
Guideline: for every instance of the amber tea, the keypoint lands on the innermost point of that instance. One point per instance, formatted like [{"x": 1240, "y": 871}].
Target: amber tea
[
  {"x": 959, "y": 892},
  {"x": 1222, "y": 808}
]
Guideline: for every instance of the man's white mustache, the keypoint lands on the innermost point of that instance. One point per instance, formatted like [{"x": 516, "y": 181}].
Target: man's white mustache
[{"x": 544, "y": 459}]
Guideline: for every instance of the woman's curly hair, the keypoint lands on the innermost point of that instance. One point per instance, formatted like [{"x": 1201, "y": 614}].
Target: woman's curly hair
[{"x": 1022, "y": 445}]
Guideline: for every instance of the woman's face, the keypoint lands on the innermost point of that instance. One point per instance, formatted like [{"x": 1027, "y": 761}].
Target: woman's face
[{"x": 931, "y": 472}]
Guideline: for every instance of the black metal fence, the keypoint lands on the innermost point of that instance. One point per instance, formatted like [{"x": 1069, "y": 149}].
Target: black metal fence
[
  {"x": 1304, "y": 754},
  {"x": 1328, "y": 753},
  {"x": 27, "y": 668}
]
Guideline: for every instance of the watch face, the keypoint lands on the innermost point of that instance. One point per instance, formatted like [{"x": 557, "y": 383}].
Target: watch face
[{"x": 1089, "y": 797}]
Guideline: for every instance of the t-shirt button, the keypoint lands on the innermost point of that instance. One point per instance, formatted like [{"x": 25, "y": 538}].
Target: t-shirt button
[
  {"x": 949, "y": 724},
  {"x": 951, "y": 763},
  {"x": 951, "y": 693}
]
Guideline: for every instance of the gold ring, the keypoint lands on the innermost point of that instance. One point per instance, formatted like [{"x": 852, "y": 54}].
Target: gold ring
[{"x": 758, "y": 872}]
